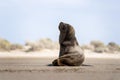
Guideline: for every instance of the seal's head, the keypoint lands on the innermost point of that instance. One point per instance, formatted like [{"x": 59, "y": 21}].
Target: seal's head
[{"x": 66, "y": 31}]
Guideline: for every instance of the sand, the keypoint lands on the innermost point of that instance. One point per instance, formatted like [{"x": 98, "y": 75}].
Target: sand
[
  {"x": 46, "y": 53},
  {"x": 36, "y": 66}
]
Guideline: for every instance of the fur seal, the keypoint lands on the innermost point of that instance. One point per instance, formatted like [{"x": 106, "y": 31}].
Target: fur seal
[{"x": 70, "y": 52}]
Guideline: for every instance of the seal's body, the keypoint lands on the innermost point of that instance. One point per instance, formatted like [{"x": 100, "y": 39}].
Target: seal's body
[{"x": 70, "y": 53}]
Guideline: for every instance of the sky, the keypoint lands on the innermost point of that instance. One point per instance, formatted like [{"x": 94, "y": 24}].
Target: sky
[{"x": 24, "y": 20}]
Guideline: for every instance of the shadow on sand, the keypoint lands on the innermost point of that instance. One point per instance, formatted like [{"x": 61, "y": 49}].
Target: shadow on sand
[{"x": 81, "y": 65}]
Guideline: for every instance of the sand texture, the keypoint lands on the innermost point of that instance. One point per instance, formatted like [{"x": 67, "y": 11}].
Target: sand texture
[{"x": 36, "y": 67}]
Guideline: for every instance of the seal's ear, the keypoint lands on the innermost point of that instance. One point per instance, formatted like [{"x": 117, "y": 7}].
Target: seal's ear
[{"x": 71, "y": 30}]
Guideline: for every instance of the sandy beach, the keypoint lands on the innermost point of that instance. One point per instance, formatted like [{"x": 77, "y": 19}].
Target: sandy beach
[{"x": 36, "y": 66}]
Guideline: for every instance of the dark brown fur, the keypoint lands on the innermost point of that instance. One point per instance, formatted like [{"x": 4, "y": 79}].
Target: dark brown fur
[{"x": 70, "y": 53}]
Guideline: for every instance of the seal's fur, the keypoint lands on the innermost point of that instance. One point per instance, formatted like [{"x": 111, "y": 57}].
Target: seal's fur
[{"x": 70, "y": 53}]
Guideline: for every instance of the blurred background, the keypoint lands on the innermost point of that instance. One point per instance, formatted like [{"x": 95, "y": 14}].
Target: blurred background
[{"x": 30, "y": 20}]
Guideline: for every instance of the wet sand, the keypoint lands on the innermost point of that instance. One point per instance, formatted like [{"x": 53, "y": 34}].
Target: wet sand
[{"x": 39, "y": 69}]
